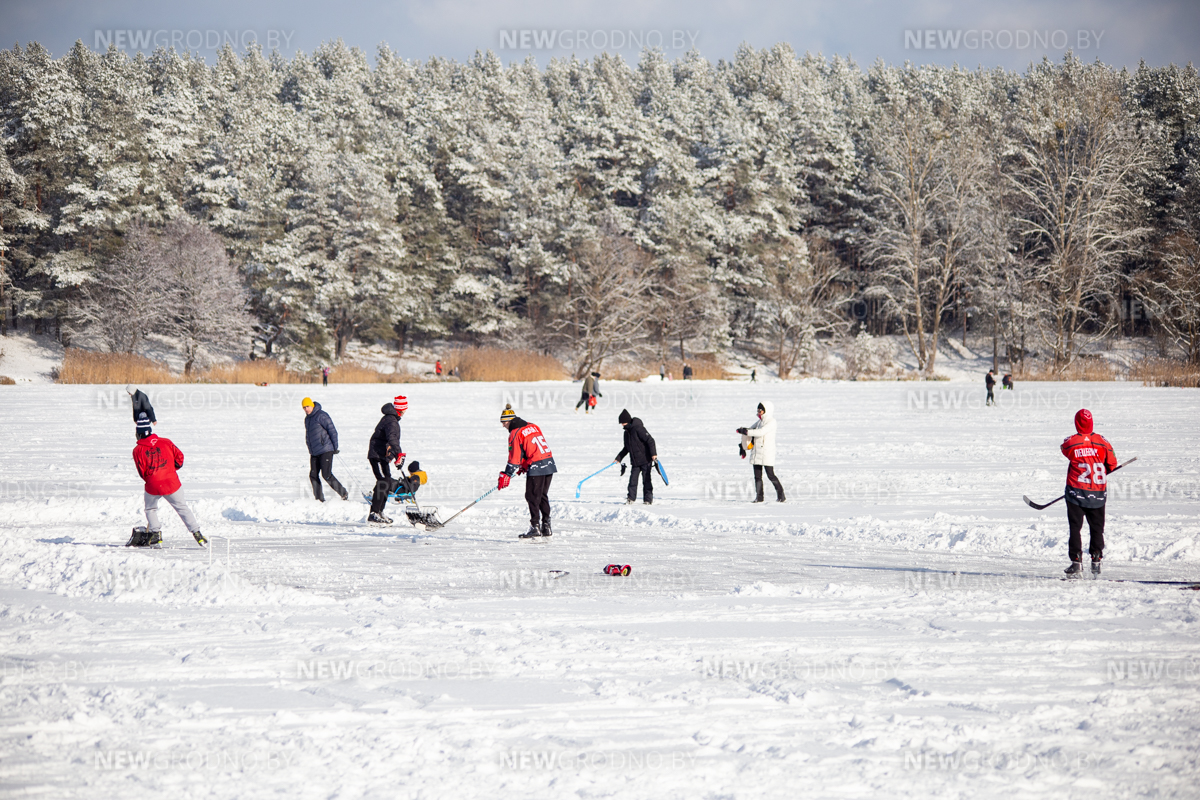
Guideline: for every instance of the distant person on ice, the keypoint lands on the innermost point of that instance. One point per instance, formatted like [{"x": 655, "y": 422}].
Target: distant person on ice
[
  {"x": 1006, "y": 382},
  {"x": 324, "y": 376},
  {"x": 687, "y": 372},
  {"x": 383, "y": 451},
  {"x": 437, "y": 368},
  {"x": 156, "y": 460},
  {"x": 1091, "y": 459},
  {"x": 990, "y": 381},
  {"x": 322, "y": 439},
  {"x": 528, "y": 453},
  {"x": 141, "y": 404},
  {"x": 662, "y": 372},
  {"x": 591, "y": 390},
  {"x": 643, "y": 454},
  {"x": 759, "y": 439}
]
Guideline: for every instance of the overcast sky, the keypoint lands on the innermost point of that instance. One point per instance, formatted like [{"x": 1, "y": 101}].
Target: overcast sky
[{"x": 1008, "y": 33}]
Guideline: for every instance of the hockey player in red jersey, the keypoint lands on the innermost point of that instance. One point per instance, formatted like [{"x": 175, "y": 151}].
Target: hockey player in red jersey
[
  {"x": 1091, "y": 459},
  {"x": 528, "y": 453}
]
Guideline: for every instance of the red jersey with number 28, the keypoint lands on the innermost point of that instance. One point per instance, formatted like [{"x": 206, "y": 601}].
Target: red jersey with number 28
[
  {"x": 1092, "y": 458},
  {"x": 527, "y": 450}
]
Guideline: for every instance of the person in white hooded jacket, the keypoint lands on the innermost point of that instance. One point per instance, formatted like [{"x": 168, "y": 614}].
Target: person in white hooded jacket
[{"x": 759, "y": 439}]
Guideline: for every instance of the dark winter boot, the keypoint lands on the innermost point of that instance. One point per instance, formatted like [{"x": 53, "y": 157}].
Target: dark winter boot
[
  {"x": 154, "y": 539},
  {"x": 139, "y": 538},
  {"x": 630, "y": 501},
  {"x": 546, "y": 528},
  {"x": 1096, "y": 564},
  {"x": 649, "y": 501},
  {"x": 317, "y": 493},
  {"x": 200, "y": 540},
  {"x": 378, "y": 519},
  {"x": 532, "y": 533},
  {"x": 1075, "y": 568}
]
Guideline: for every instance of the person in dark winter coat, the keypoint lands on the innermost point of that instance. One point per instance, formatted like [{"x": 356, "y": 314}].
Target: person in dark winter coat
[
  {"x": 529, "y": 453},
  {"x": 385, "y": 450},
  {"x": 990, "y": 382},
  {"x": 591, "y": 388},
  {"x": 322, "y": 439},
  {"x": 643, "y": 454},
  {"x": 687, "y": 372},
  {"x": 141, "y": 404},
  {"x": 157, "y": 460}
]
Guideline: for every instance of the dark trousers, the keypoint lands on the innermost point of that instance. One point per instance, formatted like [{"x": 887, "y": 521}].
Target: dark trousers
[
  {"x": 537, "y": 489},
  {"x": 758, "y": 482},
  {"x": 1095, "y": 519},
  {"x": 991, "y": 398},
  {"x": 322, "y": 467},
  {"x": 583, "y": 401},
  {"x": 647, "y": 486},
  {"x": 384, "y": 484},
  {"x": 324, "y": 380}
]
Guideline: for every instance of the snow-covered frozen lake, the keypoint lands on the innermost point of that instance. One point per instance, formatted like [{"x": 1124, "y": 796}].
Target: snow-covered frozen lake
[{"x": 896, "y": 629}]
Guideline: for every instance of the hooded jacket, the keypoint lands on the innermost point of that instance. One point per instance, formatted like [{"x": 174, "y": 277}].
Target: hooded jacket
[
  {"x": 639, "y": 444},
  {"x": 157, "y": 459},
  {"x": 319, "y": 433},
  {"x": 385, "y": 441},
  {"x": 141, "y": 405},
  {"x": 762, "y": 433},
  {"x": 1091, "y": 458}
]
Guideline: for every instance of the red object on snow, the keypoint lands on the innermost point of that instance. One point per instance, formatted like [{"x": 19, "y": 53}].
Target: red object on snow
[
  {"x": 618, "y": 569},
  {"x": 400, "y": 403},
  {"x": 157, "y": 459}
]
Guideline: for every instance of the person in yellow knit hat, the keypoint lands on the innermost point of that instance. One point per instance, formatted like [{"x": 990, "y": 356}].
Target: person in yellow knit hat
[{"x": 322, "y": 439}]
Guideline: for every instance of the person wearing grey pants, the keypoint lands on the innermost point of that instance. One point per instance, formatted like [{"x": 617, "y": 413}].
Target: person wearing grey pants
[{"x": 157, "y": 459}]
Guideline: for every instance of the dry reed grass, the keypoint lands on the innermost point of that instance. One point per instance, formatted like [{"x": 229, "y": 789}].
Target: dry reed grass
[
  {"x": 84, "y": 366},
  {"x": 1084, "y": 369},
  {"x": 705, "y": 367},
  {"x": 1166, "y": 372},
  {"x": 496, "y": 364}
]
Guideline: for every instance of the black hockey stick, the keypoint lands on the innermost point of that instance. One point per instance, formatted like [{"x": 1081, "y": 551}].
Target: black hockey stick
[{"x": 1040, "y": 506}]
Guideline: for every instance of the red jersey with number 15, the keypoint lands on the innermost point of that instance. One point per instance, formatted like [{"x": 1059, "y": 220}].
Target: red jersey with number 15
[
  {"x": 527, "y": 449},
  {"x": 1092, "y": 458}
]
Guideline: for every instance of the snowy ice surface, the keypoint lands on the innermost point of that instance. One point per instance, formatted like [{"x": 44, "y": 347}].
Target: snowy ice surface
[{"x": 896, "y": 629}]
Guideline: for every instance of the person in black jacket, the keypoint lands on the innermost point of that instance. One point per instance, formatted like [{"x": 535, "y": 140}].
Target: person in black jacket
[
  {"x": 990, "y": 381},
  {"x": 643, "y": 453},
  {"x": 322, "y": 439},
  {"x": 384, "y": 448},
  {"x": 140, "y": 403}
]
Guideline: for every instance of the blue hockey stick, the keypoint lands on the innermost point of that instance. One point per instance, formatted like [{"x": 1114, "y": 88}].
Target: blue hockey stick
[
  {"x": 662, "y": 472},
  {"x": 579, "y": 488}
]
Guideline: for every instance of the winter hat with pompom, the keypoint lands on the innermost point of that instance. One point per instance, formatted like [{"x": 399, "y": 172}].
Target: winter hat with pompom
[
  {"x": 400, "y": 403},
  {"x": 507, "y": 415}
]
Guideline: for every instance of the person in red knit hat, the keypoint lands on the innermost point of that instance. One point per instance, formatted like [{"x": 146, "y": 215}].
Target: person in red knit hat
[
  {"x": 156, "y": 459},
  {"x": 1091, "y": 459},
  {"x": 385, "y": 450}
]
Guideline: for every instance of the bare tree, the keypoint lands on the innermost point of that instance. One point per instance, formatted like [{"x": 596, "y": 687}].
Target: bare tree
[
  {"x": 1171, "y": 293},
  {"x": 926, "y": 178},
  {"x": 689, "y": 305},
  {"x": 1078, "y": 161},
  {"x": 207, "y": 296},
  {"x": 609, "y": 303},
  {"x": 127, "y": 298},
  {"x": 804, "y": 293}
]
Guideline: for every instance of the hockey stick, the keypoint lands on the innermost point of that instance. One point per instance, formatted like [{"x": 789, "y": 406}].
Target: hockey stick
[
  {"x": 1040, "y": 506},
  {"x": 579, "y": 488},
  {"x": 476, "y": 500}
]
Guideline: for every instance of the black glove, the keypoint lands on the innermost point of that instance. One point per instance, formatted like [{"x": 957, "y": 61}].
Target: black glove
[
  {"x": 335, "y": 452},
  {"x": 742, "y": 431},
  {"x": 741, "y": 451},
  {"x": 622, "y": 467}
]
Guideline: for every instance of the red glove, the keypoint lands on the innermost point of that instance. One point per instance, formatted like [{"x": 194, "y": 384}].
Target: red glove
[
  {"x": 521, "y": 470},
  {"x": 400, "y": 460},
  {"x": 505, "y": 479}
]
